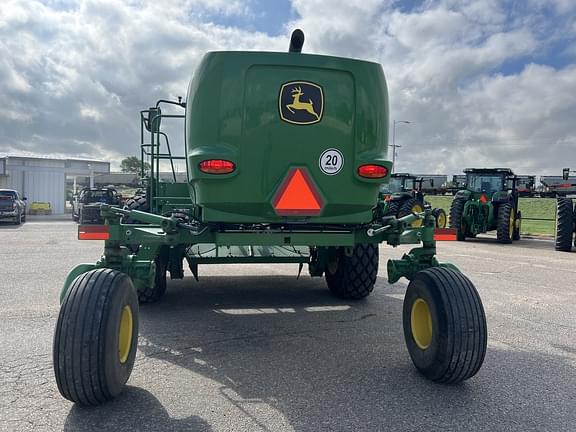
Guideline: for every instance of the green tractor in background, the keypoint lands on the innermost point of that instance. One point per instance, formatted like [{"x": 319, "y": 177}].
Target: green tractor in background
[
  {"x": 403, "y": 195},
  {"x": 565, "y": 221},
  {"x": 489, "y": 202},
  {"x": 285, "y": 154}
]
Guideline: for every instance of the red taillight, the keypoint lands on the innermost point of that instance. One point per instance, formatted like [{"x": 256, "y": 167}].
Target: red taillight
[
  {"x": 372, "y": 171},
  {"x": 93, "y": 232},
  {"x": 217, "y": 166},
  {"x": 483, "y": 199}
]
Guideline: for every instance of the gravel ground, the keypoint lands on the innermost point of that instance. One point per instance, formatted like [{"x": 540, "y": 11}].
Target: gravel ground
[{"x": 251, "y": 348}]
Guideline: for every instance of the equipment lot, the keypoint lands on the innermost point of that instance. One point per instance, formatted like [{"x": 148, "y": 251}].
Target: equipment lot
[{"x": 250, "y": 348}]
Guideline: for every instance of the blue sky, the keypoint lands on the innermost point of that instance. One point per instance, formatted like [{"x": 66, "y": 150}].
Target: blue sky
[
  {"x": 483, "y": 82},
  {"x": 268, "y": 17}
]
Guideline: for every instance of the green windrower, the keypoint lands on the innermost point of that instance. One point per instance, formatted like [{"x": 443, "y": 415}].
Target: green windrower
[{"x": 285, "y": 154}]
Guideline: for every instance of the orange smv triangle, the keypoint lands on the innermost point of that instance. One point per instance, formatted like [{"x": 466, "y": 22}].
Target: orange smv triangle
[{"x": 297, "y": 195}]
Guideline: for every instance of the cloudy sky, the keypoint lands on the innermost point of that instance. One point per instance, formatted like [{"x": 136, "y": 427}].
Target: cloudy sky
[{"x": 483, "y": 83}]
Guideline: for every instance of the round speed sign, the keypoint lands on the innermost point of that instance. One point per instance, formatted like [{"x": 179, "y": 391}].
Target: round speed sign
[{"x": 331, "y": 161}]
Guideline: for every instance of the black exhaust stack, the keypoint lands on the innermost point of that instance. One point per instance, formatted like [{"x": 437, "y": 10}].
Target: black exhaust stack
[{"x": 296, "y": 41}]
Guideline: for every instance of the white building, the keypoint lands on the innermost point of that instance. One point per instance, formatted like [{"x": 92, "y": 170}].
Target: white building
[{"x": 44, "y": 180}]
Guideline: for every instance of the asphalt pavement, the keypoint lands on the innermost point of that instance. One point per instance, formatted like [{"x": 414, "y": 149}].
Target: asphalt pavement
[{"x": 252, "y": 348}]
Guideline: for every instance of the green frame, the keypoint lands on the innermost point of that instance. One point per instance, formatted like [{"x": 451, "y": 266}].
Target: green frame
[{"x": 157, "y": 232}]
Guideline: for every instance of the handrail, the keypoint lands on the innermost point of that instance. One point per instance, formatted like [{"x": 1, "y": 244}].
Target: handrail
[
  {"x": 169, "y": 153},
  {"x": 151, "y": 146}
]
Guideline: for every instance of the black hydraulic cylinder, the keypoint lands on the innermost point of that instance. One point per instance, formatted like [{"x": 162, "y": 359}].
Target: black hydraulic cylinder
[{"x": 296, "y": 41}]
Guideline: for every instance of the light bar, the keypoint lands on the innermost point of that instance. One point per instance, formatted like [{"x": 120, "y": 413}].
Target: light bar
[
  {"x": 93, "y": 232},
  {"x": 445, "y": 234}
]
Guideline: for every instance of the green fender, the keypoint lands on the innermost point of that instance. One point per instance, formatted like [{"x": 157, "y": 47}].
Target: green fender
[{"x": 74, "y": 273}]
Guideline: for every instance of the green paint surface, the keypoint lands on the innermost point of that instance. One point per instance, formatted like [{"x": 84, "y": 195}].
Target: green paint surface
[{"x": 233, "y": 113}]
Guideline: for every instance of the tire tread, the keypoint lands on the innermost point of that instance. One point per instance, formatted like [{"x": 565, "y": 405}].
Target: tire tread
[
  {"x": 407, "y": 206},
  {"x": 393, "y": 208},
  {"x": 356, "y": 275},
  {"x": 466, "y": 325},
  {"x": 503, "y": 234},
  {"x": 78, "y": 342},
  {"x": 152, "y": 294},
  {"x": 565, "y": 219},
  {"x": 455, "y": 218}
]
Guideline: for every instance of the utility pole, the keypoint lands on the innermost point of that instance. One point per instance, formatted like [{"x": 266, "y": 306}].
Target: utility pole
[{"x": 394, "y": 145}]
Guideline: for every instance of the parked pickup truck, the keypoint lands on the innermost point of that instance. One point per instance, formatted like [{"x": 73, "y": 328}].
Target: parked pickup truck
[
  {"x": 12, "y": 206},
  {"x": 86, "y": 205}
]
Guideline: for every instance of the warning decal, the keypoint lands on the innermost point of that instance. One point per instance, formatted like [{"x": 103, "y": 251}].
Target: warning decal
[{"x": 297, "y": 195}]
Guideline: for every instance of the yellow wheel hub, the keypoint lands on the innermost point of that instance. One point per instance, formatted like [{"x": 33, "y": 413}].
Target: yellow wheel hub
[
  {"x": 421, "y": 323},
  {"x": 441, "y": 222},
  {"x": 417, "y": 208},
  {"x": 125, "y": 334}
]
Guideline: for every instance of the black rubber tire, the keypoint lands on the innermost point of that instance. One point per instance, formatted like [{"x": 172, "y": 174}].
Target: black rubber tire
[
  {"x": 86, "y": 355},
  {"x": 565, "y": 220},
  {"x": 456, "y": 211},
  {"x": 439, "y": 215},
  {"x": 353, "y": 277},
  {"x": 393, "y": 208},
  {"x": 408, "y": 208},
  {"x": 574, "y": 225},
  {"x": 18, "y": 219},
  {"x": 503, "y": 232},
  {"x": 154, "y": 293},
  {"x": 517, "y": 227},
  {"x": 138, "y": 202},
  {"x": 458, "y": 341}
]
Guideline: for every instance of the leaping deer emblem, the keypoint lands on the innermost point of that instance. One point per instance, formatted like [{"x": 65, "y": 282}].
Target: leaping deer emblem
[{"x": 298, "y": 105}]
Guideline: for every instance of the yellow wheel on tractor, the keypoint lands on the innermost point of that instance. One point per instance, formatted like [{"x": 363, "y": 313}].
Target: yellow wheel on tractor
[
  {"x": 440, "y": 216},
  {"x": 421, "y": 323},
  {"x": 411, "y": 206},
  {"x": 125, "y": 334},
  {"x": 444, "y": 325},
  {"x": 506, "y": 223},
  {"x": 96, "y": 337}
]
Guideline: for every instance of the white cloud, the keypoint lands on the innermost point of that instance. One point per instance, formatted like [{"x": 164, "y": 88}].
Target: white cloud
[
  {"x": 73, "y": 75},
  {"x": 442, "y": 62},
  {"x": 87, "y": 69},
  {"x": 91, "y": 113}
]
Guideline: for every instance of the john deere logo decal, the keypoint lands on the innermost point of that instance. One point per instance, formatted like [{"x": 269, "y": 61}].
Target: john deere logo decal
[{"x": 301, "y": 102}]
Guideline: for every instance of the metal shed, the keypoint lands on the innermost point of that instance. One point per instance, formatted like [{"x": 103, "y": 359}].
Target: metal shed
[{"x": 44, "y": 179}]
